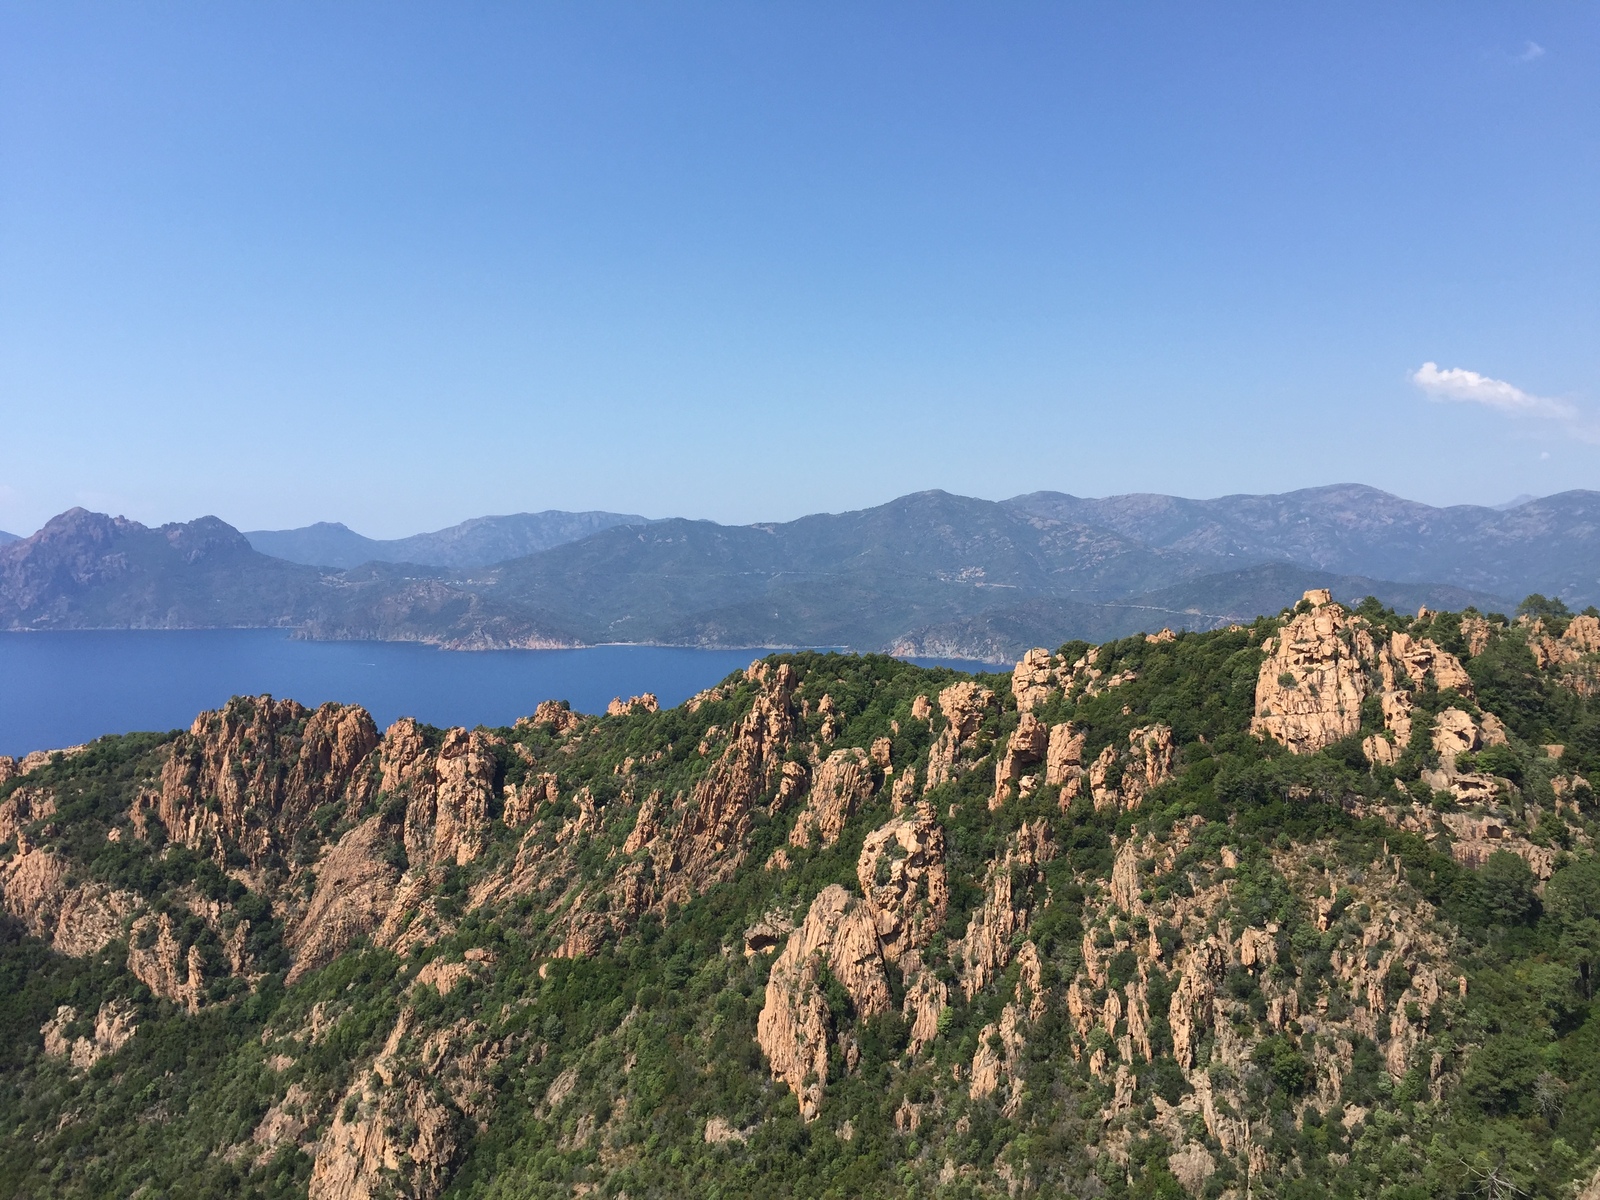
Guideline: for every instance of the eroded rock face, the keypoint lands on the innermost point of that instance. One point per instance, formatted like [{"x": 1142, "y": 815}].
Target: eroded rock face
[
  {"x": 990, "y": 1063},
  {"x": 1032, "y": 679},
  {"x": 114, "y": 1026},
  {"x": 901, "y": 871},
  {"x": 1476, "y": 837},
  {"x": 1150, "y": 756},
  {"x": 159, "y": 961},
  {"x": 1312, "y": 681},
  {"x": 406, "y": 1120},
  {"x": 708, "y": 842},
  {"x": 1583, "y": 634},
  {"x": 1396, "y": 942},
  {"x": 1064, "y": 759},
  {"x": 524, "y": 799},
  {"x": 34, "y": 884},
  {"x": 1476, "y": 632},
  {"x": 555, "y": 715},
  {"x": 646, "y": 703},
  {"x": 22, "y": 808},
  {"x": 91, "y": 918},
  {"x": 223, "y": 784},
  {"x": 355, "y": 888},
  {"x": 986, "y": 948},
  {"x": 1025, "y": 748},
  {"x": 448, "y": 791},
  {"x": 1325, "y": 662},
  {"x": 902, "y": 875},
  {"x": 926, "y": 997},
  {"x": 843, "y": 782},
  {"x": 1454, "y": 732},
  {"x": 77, "y": 919},
  {"x": 795, "y": 1026},
  {"x": 1419, "y": 657},
  {"x": 964, "y": 706}
]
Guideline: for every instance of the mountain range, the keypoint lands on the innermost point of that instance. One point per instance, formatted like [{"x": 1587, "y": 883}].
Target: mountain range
[
  {"x": 475, "y": 543},
  {"x": 929, "y": 573}
]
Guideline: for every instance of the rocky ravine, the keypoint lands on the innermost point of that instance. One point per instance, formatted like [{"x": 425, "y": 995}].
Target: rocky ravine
[{"x": 1187, "y": 910}]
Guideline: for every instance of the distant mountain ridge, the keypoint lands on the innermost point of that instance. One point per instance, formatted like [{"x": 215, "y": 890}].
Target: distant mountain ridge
[
  {"x": 929, "y": 573},
  {"x": 478, "y": 542},
  {"x": 1552, "y": 543},
  {"x": 8, "y": 537}
]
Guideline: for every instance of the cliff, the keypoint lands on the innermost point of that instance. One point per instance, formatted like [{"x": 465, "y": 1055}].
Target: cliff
[{"x": 1300, "y": 907}]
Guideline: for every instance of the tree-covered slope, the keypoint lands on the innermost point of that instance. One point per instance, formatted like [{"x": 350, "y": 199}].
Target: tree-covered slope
[
  {"x": 1306, "y": 907},
  {"x": 929, "y": 573}
]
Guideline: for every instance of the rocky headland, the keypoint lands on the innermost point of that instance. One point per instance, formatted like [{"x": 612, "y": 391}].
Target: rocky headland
[{"x": 1293, "y": 905}]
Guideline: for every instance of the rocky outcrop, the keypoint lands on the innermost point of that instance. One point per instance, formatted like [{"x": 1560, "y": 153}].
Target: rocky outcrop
[
  {"x": 159, "y": 961},
  {"x": 355, "y": 888},
  {"x": 1572, "y": 655},
  {"x": 22, "y": 808},
  {"x": 1386, "y": 747},
  {"x": 646, "y": 703},
  {"x": 522, "y": 800},
  {"x": 114, "y": 1026},
  {"x": 76, "y": 918},
  {"x": 224, "y": 785},
  {"x": 1324, "y": 663},
  {"x": 1149, "y": 763},
  {"x": 796, "y": 1026},
  {"x": 767, "y": 933},
  {"x": 1120, "y": 781},
  {"x": 90, "y": 918},
  {"x": 964, "y": 705},
  {"x": 1313, "y": 679},
  {"x": 987, "y": 946},
  {"x": 1000, "y": 1044},
  {"x": 13, "y": 768},
  {"x": 1025, "y": 748},
  {"x": 1393, "y": 961},
  {"x": 901, "y": 871},
  {"x": 1032, "y": 679},
  {"x": 555, "y": 715},
  {"x": 448, "y": 790},
  {"x": 926, "y": 998},
  {"x": 841, "y": 784},
  {"x": 1475, "y": 837},
  {"x": 1476, "y": 632},
  {"x": 1419, "y": 658},
  {"x": 1454, "y": 733},
  {"x": 708, "y": 843},
  {"x": 1063, "y": 762},
  {"x": 406, "y": 1121}
]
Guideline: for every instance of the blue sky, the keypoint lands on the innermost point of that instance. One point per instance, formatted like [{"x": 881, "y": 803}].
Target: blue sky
[{"x": 398, "y": 265}]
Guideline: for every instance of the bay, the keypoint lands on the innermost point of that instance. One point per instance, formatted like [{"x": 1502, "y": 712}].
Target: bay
[{"x": 62, "y": 688}]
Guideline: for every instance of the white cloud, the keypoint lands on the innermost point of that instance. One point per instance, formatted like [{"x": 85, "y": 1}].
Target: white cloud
[
  {"x": 1530, "y": 52},
  {"x": 1469, "y": 387}
]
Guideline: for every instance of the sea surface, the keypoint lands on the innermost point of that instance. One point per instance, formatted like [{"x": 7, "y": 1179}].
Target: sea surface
[{"x": 60, "y": 689}]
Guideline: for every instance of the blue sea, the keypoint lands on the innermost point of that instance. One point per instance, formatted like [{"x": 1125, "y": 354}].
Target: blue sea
[{"x": 59, "y": 689}]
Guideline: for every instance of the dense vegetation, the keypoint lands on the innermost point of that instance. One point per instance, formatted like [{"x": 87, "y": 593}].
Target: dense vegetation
[{"x": 611, "y": 1065}]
